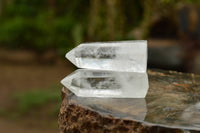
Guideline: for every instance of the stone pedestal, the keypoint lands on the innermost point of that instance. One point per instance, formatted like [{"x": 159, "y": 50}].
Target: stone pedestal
[{"x": 172, "y": 105}]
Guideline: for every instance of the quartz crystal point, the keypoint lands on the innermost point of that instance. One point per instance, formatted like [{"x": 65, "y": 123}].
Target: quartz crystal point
[
  {"x": 117, "y": 56},
  {"x": 100, "y": 83}
]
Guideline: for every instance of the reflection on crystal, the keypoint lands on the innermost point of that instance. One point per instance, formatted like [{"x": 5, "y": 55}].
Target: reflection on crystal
[
  {"x": 119, "y": 56},
  {"x": 192, "y": 114},
  {"x": 98, "y": 83},
  {"x": 134, "y": 108}
]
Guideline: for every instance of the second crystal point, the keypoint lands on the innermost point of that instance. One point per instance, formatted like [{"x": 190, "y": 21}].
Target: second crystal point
[
  {"x": 96, "y": 83},
  {"x": 117, "y": 56}
]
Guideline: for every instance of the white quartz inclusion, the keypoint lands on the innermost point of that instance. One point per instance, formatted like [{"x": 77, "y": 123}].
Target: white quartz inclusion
[
  {"x": 100, "y": 83},
  {"x": 117, "y": 56}
]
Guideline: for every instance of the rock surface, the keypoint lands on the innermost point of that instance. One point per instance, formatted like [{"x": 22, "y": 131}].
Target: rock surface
[{"x": 172, "y": 105}]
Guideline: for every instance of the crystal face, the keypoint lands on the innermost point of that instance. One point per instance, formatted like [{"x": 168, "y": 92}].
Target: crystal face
[
  {"x": 117, "y": 56},
  {"x": 100, "y": 83}
]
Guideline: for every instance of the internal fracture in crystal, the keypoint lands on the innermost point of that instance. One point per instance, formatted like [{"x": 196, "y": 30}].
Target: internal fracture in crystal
[
  {"x": 101, "y": 83},
  {"x": 117, "y": 56}
]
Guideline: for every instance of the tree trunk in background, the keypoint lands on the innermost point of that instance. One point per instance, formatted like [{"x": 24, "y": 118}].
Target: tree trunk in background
[
  {"x": 3, "y": 4},
  {"x": 114, "y": 19},
  {"x": 94, "y": 17},
  {"x": 52, "y": 7},
  {"x": 107, "y": 14},
  {"x": 149, "y": 7},
  {"x": 1, "y": 7},
  {"x": 51, "y": 3},
  {"x": 111, "y": 17}
]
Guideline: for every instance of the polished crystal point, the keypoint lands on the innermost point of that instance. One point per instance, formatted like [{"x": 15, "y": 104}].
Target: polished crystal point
[
  {"x": 101, "y": 83},
  {"x": 117, "y": 56}
]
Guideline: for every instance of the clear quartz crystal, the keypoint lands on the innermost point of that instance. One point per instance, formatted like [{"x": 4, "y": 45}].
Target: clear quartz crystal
[
  {"x": 100, "y": 83},
  {"x": 116, "y": 56}
]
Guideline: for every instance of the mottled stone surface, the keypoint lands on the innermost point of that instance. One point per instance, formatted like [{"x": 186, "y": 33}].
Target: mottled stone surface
[{"x": 172, "y": 105}]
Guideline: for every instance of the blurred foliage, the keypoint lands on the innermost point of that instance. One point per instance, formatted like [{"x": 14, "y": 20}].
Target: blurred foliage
[
  {"x": 62, "y": 24},
  {"x": 35, "y": 102},
  {"x": 41, "y": 25},
  {"x": 32, "y": 100}
]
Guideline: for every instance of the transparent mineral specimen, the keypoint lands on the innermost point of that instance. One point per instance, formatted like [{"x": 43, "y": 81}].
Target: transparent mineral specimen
[
  {"x": 100, "y": 83},
  {"x": 116, "y": 56}
]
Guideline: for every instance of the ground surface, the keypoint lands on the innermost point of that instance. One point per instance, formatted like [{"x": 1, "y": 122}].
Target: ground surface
[{"x": 18, "y": 75}]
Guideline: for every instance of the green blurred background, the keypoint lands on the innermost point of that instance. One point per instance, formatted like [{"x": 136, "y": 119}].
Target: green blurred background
[{"x": 36, "y": 34}]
